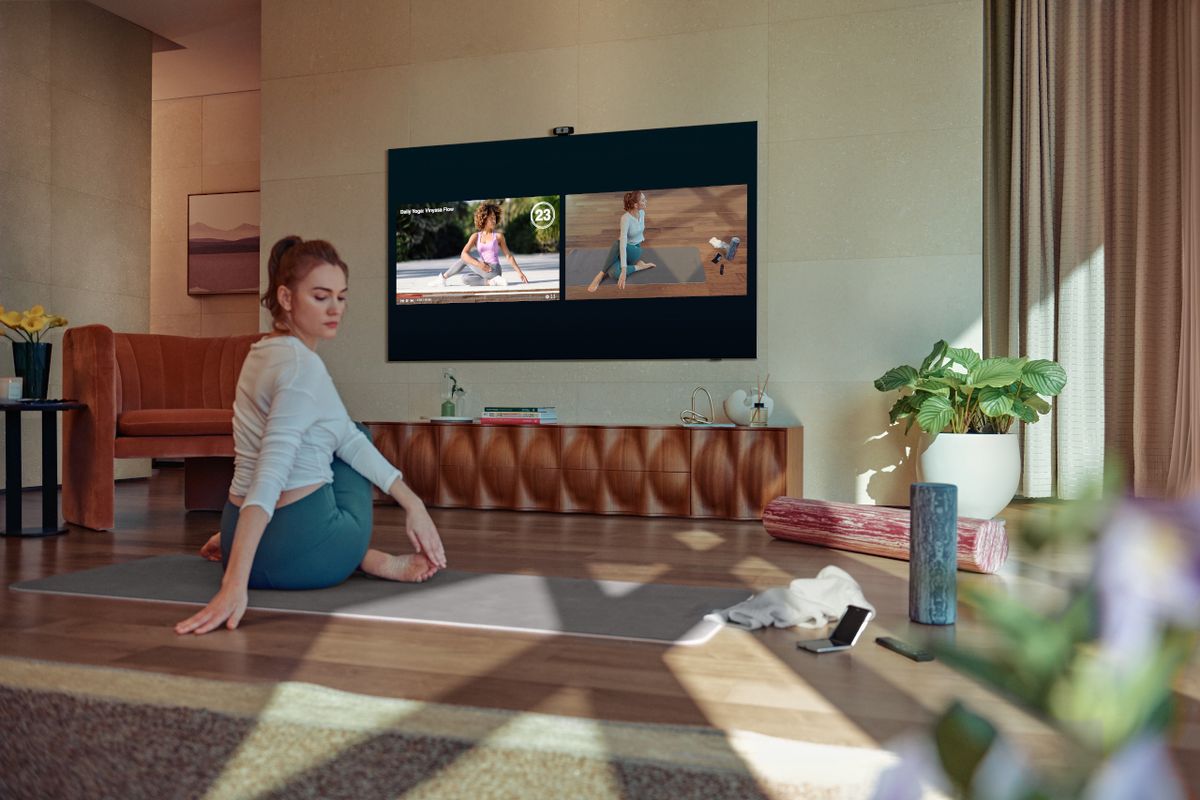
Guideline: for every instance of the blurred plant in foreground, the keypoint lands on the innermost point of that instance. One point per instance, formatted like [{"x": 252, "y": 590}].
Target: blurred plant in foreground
[{"x": 1100, "y": 670}]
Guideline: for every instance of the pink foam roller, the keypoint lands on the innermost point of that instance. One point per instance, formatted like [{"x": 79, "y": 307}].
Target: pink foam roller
[{"x": 879, "y": 531}]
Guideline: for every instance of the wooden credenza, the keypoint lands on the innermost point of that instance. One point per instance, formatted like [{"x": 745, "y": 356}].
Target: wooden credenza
[{"x": 648, "y": 470}]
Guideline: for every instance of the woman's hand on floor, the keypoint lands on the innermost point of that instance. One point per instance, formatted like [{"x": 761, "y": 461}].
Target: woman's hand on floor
[
  {"x": 212, "y": 548},
  {"x": 227, "y": 606},
  {"x": 424, "y": 536},
  {"x": 621, "y": 280}
]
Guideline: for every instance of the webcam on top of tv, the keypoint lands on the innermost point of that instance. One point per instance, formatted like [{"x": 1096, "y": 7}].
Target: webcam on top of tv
[{"x": 563, "y": 130}]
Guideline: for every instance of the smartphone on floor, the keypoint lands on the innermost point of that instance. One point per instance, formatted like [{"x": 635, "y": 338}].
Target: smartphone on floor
[{"x": 844, "y": 636}]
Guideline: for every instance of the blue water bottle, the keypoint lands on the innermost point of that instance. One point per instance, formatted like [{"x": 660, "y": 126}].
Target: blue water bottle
[
  {"x": 732, "y": 251},
  {"x": 933, "y": 553}
]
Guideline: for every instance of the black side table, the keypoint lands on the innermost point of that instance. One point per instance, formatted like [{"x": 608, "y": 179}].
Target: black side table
[{"x": 12, "y": 464}]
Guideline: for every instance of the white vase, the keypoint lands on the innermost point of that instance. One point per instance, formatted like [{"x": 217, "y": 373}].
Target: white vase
[
  {"x": 739, "y": 406},
  {"x": 986, "y": 468}
]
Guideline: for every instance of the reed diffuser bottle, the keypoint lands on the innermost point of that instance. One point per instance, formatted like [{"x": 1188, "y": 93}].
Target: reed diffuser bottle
[
  {"x": 758, "y": 417},
  {"x": 760, "y": 413}
]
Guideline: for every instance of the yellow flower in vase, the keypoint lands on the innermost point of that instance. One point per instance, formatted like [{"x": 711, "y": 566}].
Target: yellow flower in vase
[
  {"x": 31, "y": 324},
  {"x": 34, "y": 324},
  {"x": 31, "y": 356},
  {"x": 11, "y": 319}
]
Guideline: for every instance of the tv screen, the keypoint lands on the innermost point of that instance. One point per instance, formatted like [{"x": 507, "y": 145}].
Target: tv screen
[
  {"x": 438, "y": 258},
  {"x": 628, "y": 245}
]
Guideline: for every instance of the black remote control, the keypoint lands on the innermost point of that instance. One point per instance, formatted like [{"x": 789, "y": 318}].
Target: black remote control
[{"x": 904, "y": 648}]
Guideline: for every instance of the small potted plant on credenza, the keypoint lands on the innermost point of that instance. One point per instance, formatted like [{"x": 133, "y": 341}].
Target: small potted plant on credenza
[{"x": 966, "y": 406}]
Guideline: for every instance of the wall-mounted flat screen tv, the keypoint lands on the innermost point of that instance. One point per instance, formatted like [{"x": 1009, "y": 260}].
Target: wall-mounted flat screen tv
[{"x": 628, "y": 245}]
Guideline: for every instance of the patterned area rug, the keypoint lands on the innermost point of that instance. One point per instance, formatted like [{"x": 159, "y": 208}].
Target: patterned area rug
[{"x": 70, "y": 731}]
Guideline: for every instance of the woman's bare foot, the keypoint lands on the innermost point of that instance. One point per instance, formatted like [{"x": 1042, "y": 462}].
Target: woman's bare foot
[
  {"x": 413, "y": 568},
  {"x": 212, "y": 548},
  {"x": 595, "y": 284},
  {"x": 641, "y": 265}
]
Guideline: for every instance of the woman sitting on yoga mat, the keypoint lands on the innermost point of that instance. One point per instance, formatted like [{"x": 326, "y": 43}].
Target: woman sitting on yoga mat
[
  {"x": 299, "y": 509},
  {"x": 628, "y": 247},
  {"x": 488, "y": 242}
]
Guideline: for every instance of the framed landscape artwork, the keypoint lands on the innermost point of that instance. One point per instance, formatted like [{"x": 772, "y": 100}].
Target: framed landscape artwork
[{"x": 223, "y": 242}]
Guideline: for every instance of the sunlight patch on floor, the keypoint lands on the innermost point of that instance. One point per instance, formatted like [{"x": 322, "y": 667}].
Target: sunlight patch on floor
[
  {"x": 295, "y": 705},
  {"x": 838, "y": 770},
  {"x": 732, "y": 700},
  {"x": 757, "y": 571},
  {"x": 699, "y": 539},
  {"x": 637, "y": 573},
  {"x": 347, "y": 720}
]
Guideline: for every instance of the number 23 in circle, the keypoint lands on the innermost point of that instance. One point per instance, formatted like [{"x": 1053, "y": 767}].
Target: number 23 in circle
[{"x": 542, "y": 215}]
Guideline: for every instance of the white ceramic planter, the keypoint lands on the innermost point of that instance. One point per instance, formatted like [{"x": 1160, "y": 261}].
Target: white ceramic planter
[
  {"x": 986, "y": 468},
  {"x": 740, "y": 405}
]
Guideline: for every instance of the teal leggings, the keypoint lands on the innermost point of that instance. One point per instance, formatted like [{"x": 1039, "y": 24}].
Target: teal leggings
[
  {"x": 315, "y": 542},
  {"x": 633, "y": 252}
]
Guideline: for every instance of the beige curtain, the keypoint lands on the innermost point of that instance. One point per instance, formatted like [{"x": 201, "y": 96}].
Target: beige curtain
[
  {"x": 1082, "y": 228},
  {"x": 1184, "y": 474},
  {"x": 1143, "y": 238}
]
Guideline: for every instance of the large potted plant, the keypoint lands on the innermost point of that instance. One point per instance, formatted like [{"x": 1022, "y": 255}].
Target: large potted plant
[{"x": 966, "y": 405}]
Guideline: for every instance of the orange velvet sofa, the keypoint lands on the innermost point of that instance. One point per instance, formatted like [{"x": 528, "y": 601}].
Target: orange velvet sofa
[{"x": 147, "y": 396}]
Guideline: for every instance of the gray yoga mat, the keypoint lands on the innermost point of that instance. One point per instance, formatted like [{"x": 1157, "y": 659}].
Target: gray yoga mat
[
  {"x": 671, "y": 265},
  {"x": 657, "y": 612}
]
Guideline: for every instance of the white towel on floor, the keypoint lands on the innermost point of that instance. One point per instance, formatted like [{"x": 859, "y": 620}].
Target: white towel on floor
[{"x": 805, "y": 603}]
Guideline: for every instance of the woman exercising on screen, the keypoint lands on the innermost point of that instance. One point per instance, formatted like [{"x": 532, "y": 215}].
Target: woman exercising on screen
[
  {"x": 488, "y": 242},
  {"x": 627, "y": 250},
  {"x": 299, "y": 509}
]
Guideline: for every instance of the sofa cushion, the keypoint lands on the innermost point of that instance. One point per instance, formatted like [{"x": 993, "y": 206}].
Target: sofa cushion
[{"x": 176, "y": 422}]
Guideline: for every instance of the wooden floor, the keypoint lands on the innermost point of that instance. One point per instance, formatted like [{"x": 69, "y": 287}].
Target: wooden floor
[
  {"x": 674, "y": 218},
  {"x": 756, "y": 682}
]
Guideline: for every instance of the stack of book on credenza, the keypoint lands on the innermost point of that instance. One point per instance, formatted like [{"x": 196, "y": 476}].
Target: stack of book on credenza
[{"x": 519, "y": 415}]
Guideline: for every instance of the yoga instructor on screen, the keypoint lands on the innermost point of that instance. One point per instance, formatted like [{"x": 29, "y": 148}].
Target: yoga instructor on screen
[
  {"x": 299, "y": 509},
  {"x": 487, "y": 241},
  {"x": 627, "y": 250}
]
